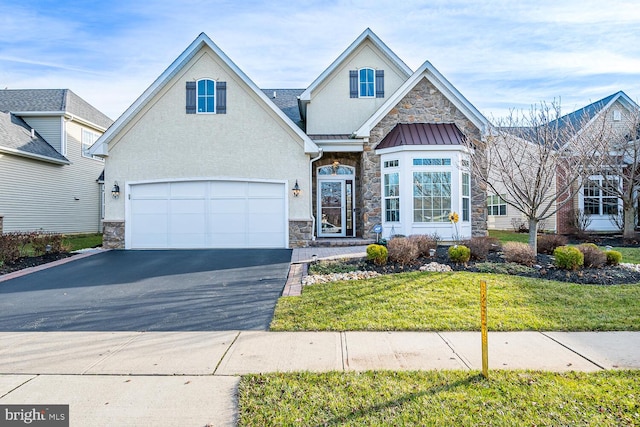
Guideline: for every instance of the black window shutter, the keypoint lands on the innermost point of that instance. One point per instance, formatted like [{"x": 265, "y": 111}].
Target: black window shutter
[
  {"x": 221, "y": 97},
  {"x": 353, "y": 83},
  {"x": 379, "y": 83},
  {"x": 191, "y": 97}
]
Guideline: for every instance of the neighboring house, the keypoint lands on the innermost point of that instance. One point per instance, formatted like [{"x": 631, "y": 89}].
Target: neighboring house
[
  {"x": 204, "y": 158},
  {"x": 48, "y": 178},
  {"x": 610, "y": 115}
]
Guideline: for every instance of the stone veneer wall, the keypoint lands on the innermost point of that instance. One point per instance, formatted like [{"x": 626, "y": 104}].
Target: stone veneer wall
[
  {"x": 423, "y": 104},
  {"x": 113, "y": 234},
  {"x": 300, "y": 233}
]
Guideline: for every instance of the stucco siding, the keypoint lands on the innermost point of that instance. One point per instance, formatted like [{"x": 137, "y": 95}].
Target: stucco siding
[
  {"x": 332, "y": 111},
  {"x": 50, "y": 129},
  {"x": 250, "y": 141},
  {"x": 57, "y": 198}
]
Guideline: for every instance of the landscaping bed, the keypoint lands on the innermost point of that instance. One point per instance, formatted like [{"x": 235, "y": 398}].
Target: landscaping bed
[
  {"x": 495, "y": 263},
  {"x": 31, "y": 261}
]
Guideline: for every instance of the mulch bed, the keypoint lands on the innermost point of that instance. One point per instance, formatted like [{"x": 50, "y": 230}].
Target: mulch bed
[
  {"x": 26, "y": 262},
  {"x": 608, "y": 275}
]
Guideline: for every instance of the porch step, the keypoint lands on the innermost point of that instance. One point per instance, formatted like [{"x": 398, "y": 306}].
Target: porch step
[{"x": 335, "y": 242}]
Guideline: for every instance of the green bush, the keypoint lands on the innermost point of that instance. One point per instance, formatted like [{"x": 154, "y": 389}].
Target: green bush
[
  {"x": 613, "y": 257},
  {"x": 459, "y": 254},
  {"x": 378, "y": 254},
  {"x": 568, "y": 257},
  {"x": 520, "y": 253},
  {"x": 593, "y": 255},
  {"x": 403, "y": 250}
]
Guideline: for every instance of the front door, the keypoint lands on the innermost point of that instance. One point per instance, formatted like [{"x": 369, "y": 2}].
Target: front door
[{"x": 336, "y": 206}]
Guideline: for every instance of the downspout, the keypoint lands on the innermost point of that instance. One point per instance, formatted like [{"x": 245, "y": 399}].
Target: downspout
[{"x": 313, "y": 217}]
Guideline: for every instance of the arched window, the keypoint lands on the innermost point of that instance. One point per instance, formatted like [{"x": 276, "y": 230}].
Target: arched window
[
  {"x": 206, "y": 94},
  {"x": 336, "y": 169}
]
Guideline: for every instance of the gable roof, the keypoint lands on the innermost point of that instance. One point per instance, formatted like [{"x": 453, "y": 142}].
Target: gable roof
[
  {"x": 588, "y": 113},
  {"x": 422, "y": 134},
  {"x": 100, "y": 146},
  {"x": 56, "y": 101},
  {"x": 366, "y": 35},
  {"x": 15, "y": 138},
  {"x": 429, "y": 72}
]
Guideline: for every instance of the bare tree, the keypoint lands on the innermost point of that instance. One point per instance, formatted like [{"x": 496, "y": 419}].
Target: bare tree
[
  {"x": 621, "y": 171},
  {"x": 536, "y": 161}
]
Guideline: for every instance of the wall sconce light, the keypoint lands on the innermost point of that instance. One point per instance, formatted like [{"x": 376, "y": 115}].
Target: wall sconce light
[
  {"x": 115, "y": 191},
  {"x": 296, "y": 189}
]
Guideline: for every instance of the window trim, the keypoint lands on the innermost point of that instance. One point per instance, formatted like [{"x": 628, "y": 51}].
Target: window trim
[
  {"x": 206, "y": 96},
  {"x": 371, "y": 84},
  {"x": 600, "y": 197},
  {"x": 465, "y": 184},
  {"x": 391, "y": 197}
]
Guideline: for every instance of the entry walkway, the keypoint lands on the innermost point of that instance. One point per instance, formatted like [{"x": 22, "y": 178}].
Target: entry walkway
[{"x": 191, "y": 378}]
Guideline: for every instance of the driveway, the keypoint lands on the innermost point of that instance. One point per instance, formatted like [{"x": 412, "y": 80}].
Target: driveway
[{"x": 168, "y": 290}]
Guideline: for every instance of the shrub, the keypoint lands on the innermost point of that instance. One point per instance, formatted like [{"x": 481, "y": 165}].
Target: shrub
[
  {"x": 459, "y": 254},
  {"x": 13, "y": 245},
  {"x": 613, "y": 257},
  {"x": 54, "y": 241},
  {"x": 424, "y": 243},
  {"x": 481, "y": 246},
  {"x": 402, "y": 250},
  {"x": 548, "y": 242},
  {"x": 568, "y": 257},
  {"x": 378, "y": 254},
  {"x": 520, "y": 253},
  {"x": 593, "y": 255}
]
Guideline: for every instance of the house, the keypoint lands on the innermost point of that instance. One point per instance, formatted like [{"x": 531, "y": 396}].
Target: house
[
  {"x": 204, "y": 158},
  {"x": 49, "y": 180},
  {"x": 598, "y": 210}
]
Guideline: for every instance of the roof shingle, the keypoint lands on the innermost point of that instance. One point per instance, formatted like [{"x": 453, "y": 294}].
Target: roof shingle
[
  {"x": 422, "y": 134},
  {"x": 15, "y": 134}
]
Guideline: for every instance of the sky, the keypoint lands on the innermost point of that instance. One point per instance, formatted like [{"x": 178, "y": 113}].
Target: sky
[{"x": 501, "y": 55}]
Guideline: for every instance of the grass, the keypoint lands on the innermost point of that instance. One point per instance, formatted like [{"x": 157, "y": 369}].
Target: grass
[
  {"x": 509, "y": 236},
  {"x": 83, "y": 241},
  {"x": 451, "y": 302},
  {"x": 440, "y": 398}
]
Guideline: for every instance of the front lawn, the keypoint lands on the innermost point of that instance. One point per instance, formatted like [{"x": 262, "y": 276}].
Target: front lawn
[
  {"x": 440, "y": 398},
  {"x": 451, "y": 302},
  {"x": 83, "y": 241},
  {"x": 509, "y": 236}
]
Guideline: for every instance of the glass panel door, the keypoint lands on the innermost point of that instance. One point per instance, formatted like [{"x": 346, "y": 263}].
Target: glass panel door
[{"x": 332, "y": 212}]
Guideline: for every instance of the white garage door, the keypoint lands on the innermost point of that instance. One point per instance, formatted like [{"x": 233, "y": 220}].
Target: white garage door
[{"x": 207, "y": 214}]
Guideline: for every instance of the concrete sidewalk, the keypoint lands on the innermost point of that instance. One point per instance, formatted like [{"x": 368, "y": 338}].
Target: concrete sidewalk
[{"x": 191, "y": 378}]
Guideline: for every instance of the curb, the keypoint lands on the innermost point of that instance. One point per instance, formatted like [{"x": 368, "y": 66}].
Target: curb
[{"x": 26, "y": 271}]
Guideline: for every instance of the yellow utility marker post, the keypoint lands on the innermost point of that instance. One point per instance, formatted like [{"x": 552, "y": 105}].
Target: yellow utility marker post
[{"x": 483, "y": 328}]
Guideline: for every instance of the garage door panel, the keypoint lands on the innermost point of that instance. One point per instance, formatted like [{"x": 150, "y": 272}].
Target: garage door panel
[
  {"x": 266, "y": 222},
  {"x": 150, "y": 190},
  {"x": 187, "y": 207},
  {"x": 208, "y": 214},
  {"x": 150, "y": 207},
  {"x": 228, "y": 189},
  {"x": 265, "y": 206},
  {"x": 228, "y": 206},
  {"x": 231, "y": 222},
  {"x": 264, "y": 189},
  {"x": 189, "y": 189}
]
